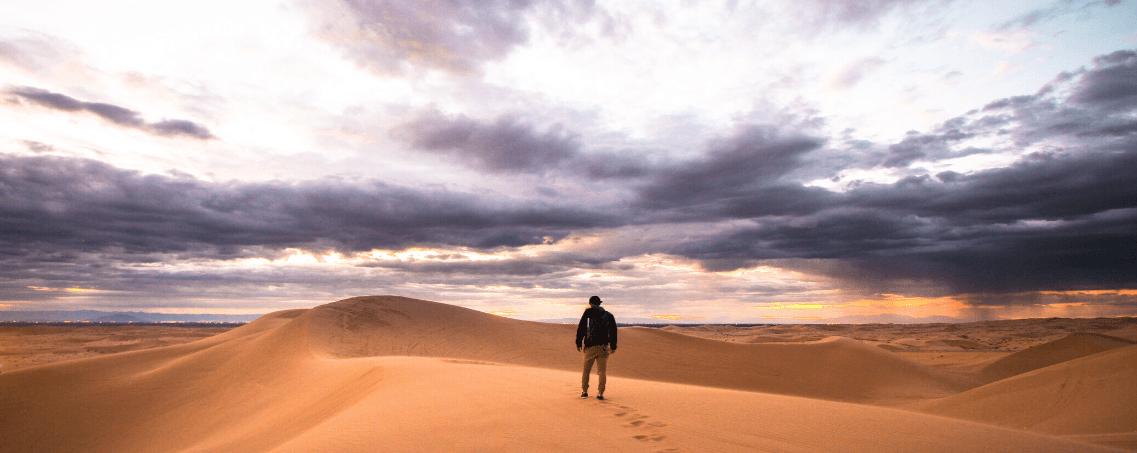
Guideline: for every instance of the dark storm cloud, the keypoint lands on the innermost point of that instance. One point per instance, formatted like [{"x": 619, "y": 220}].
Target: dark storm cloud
[
  {"x": 113, "y": 113},
  {"x": 616, "y": 166},
  {"x": 1060, "y": 219},
  {"x": 1112, "y": 84},
  {"x": 55, "y": 206},
  {"x": 510, "y": 145},
  {"x": 454, "y": 35},
  {"x": 1055, "y": 223},
  {"x": 505, "y": 145},
  {"x": 737, "y": 178}
]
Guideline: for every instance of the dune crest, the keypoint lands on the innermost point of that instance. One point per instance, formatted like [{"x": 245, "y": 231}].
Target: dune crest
[
  {"x": 836, "y": 368},
  {"x": 1092, "y": 395},
  {"x": 1070, "y": 347}
]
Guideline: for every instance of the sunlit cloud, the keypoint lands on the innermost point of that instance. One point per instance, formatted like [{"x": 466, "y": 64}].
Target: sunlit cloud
[{"x": 68, "y": 290}]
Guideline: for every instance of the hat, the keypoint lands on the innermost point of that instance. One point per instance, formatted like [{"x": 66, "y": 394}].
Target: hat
[{"x": 594, "y": 300}]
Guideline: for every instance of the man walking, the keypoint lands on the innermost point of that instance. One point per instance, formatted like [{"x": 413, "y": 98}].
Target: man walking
[{"x": 597, "y": 329}]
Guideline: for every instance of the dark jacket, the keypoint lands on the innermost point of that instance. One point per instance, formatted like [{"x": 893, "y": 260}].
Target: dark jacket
[{"x": 596, "y": 327}]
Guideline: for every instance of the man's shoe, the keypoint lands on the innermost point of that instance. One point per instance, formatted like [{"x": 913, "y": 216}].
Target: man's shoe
[
  {"x": 599, "y": 397},
  {"x": 584, "y": 395}
]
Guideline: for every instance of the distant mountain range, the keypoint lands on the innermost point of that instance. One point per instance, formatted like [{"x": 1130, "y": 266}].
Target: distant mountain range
[{"x": 117, "y": 316}]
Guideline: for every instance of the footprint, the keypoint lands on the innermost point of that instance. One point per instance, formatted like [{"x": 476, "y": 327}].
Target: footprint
[
  {"x": 621, "y": 414},
  {"x": 636, "y": 423}
]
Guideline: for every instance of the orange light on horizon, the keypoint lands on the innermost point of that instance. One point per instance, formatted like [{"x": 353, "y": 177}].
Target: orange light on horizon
[
  {"x": 504, "y": 313},
  {"x": 677, "y": 317}
]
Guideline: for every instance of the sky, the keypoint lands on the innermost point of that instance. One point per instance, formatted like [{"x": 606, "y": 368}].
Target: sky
[{"x": 716, "y": 161}]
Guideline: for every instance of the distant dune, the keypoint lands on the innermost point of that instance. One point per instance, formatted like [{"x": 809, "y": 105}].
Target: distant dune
[
  {"x": 396, "y": 374},
  {"x": 1095, "y": 395},
  {"x": 1067, "y": 348}
]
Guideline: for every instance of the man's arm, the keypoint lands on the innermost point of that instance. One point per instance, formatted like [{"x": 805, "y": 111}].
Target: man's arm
[
  {"x": 581, "y": 328},
  {"x": 612, "y": 331}
]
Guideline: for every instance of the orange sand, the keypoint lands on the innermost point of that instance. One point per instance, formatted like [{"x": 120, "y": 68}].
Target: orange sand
[{"x": 396, "y": 374}]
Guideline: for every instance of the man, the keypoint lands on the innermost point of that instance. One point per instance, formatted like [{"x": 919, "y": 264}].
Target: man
[{"x": 597, "y": 329}]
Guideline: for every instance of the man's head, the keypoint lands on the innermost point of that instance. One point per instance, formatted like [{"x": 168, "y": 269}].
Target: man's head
[{"x": 594, "y": 301}]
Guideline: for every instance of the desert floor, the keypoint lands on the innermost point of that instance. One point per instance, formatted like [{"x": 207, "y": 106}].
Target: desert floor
[{"x": 395, "y": 374}]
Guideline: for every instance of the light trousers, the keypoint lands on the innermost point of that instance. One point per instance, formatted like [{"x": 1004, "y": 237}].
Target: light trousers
[{"x": 598, "y": 354}]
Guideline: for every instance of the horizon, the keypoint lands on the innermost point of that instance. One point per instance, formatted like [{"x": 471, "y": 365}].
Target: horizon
[
  {"x": 158, "y": 317},
  {"x": 727, "y": 163}
]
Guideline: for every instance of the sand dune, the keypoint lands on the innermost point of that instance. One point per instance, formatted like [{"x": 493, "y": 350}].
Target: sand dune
[
  {"x": 836, "y": 368},
  {"x": 395, "y": 374},
  {"x": 1067, "y": 348},
  {"x": 1092, "y": 395}
]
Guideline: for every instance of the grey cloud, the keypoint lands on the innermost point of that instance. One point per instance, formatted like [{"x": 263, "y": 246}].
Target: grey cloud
[
  {"x": 618, "y": 166},
  {"x": 180, "y": 127},
  {"x": 52, "y": 205},
  {"x": 1057, "y": 220},
  {"x": 917, "y": 146},
  {"x": 1112, "y": 83},
  {"x": 1099, "y": 104},
  {"x": 113, "y": 113},
  {"x": 736, "y": 169},
  {"x": 505, "y": 145},
  {"x": 455, "y": 35}
]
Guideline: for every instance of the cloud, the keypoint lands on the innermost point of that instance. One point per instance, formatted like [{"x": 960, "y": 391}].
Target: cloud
[
  {"x": 737, "y": 172},
  {"x": 814, "y": 15},
  {"x": 113, "y": 113},
  {"x": 456, "y": 36},
  {"x": 1112, "y": 84},
  {"x": 1044, "y": 15},
  {"x": 35, "y": 52},
  {"x": 1060, "y": 219},
  {"x": 505, "y": 145},
  {"x": 64, "y": 205},
  {"x": 853, "y": 72}
]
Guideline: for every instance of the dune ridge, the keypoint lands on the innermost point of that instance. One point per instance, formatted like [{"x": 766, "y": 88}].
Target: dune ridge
[
  {"x": 1089, "y": 396},
  {"x": 399, "y": 374},
  {"x": 835, "y": 368},
  {"x": 1070, "y": 347}
]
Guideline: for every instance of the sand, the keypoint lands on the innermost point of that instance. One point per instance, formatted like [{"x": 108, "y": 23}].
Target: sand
[
  {"x": 396, "y": 374},
  {"x": 22, "y": 346}
]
